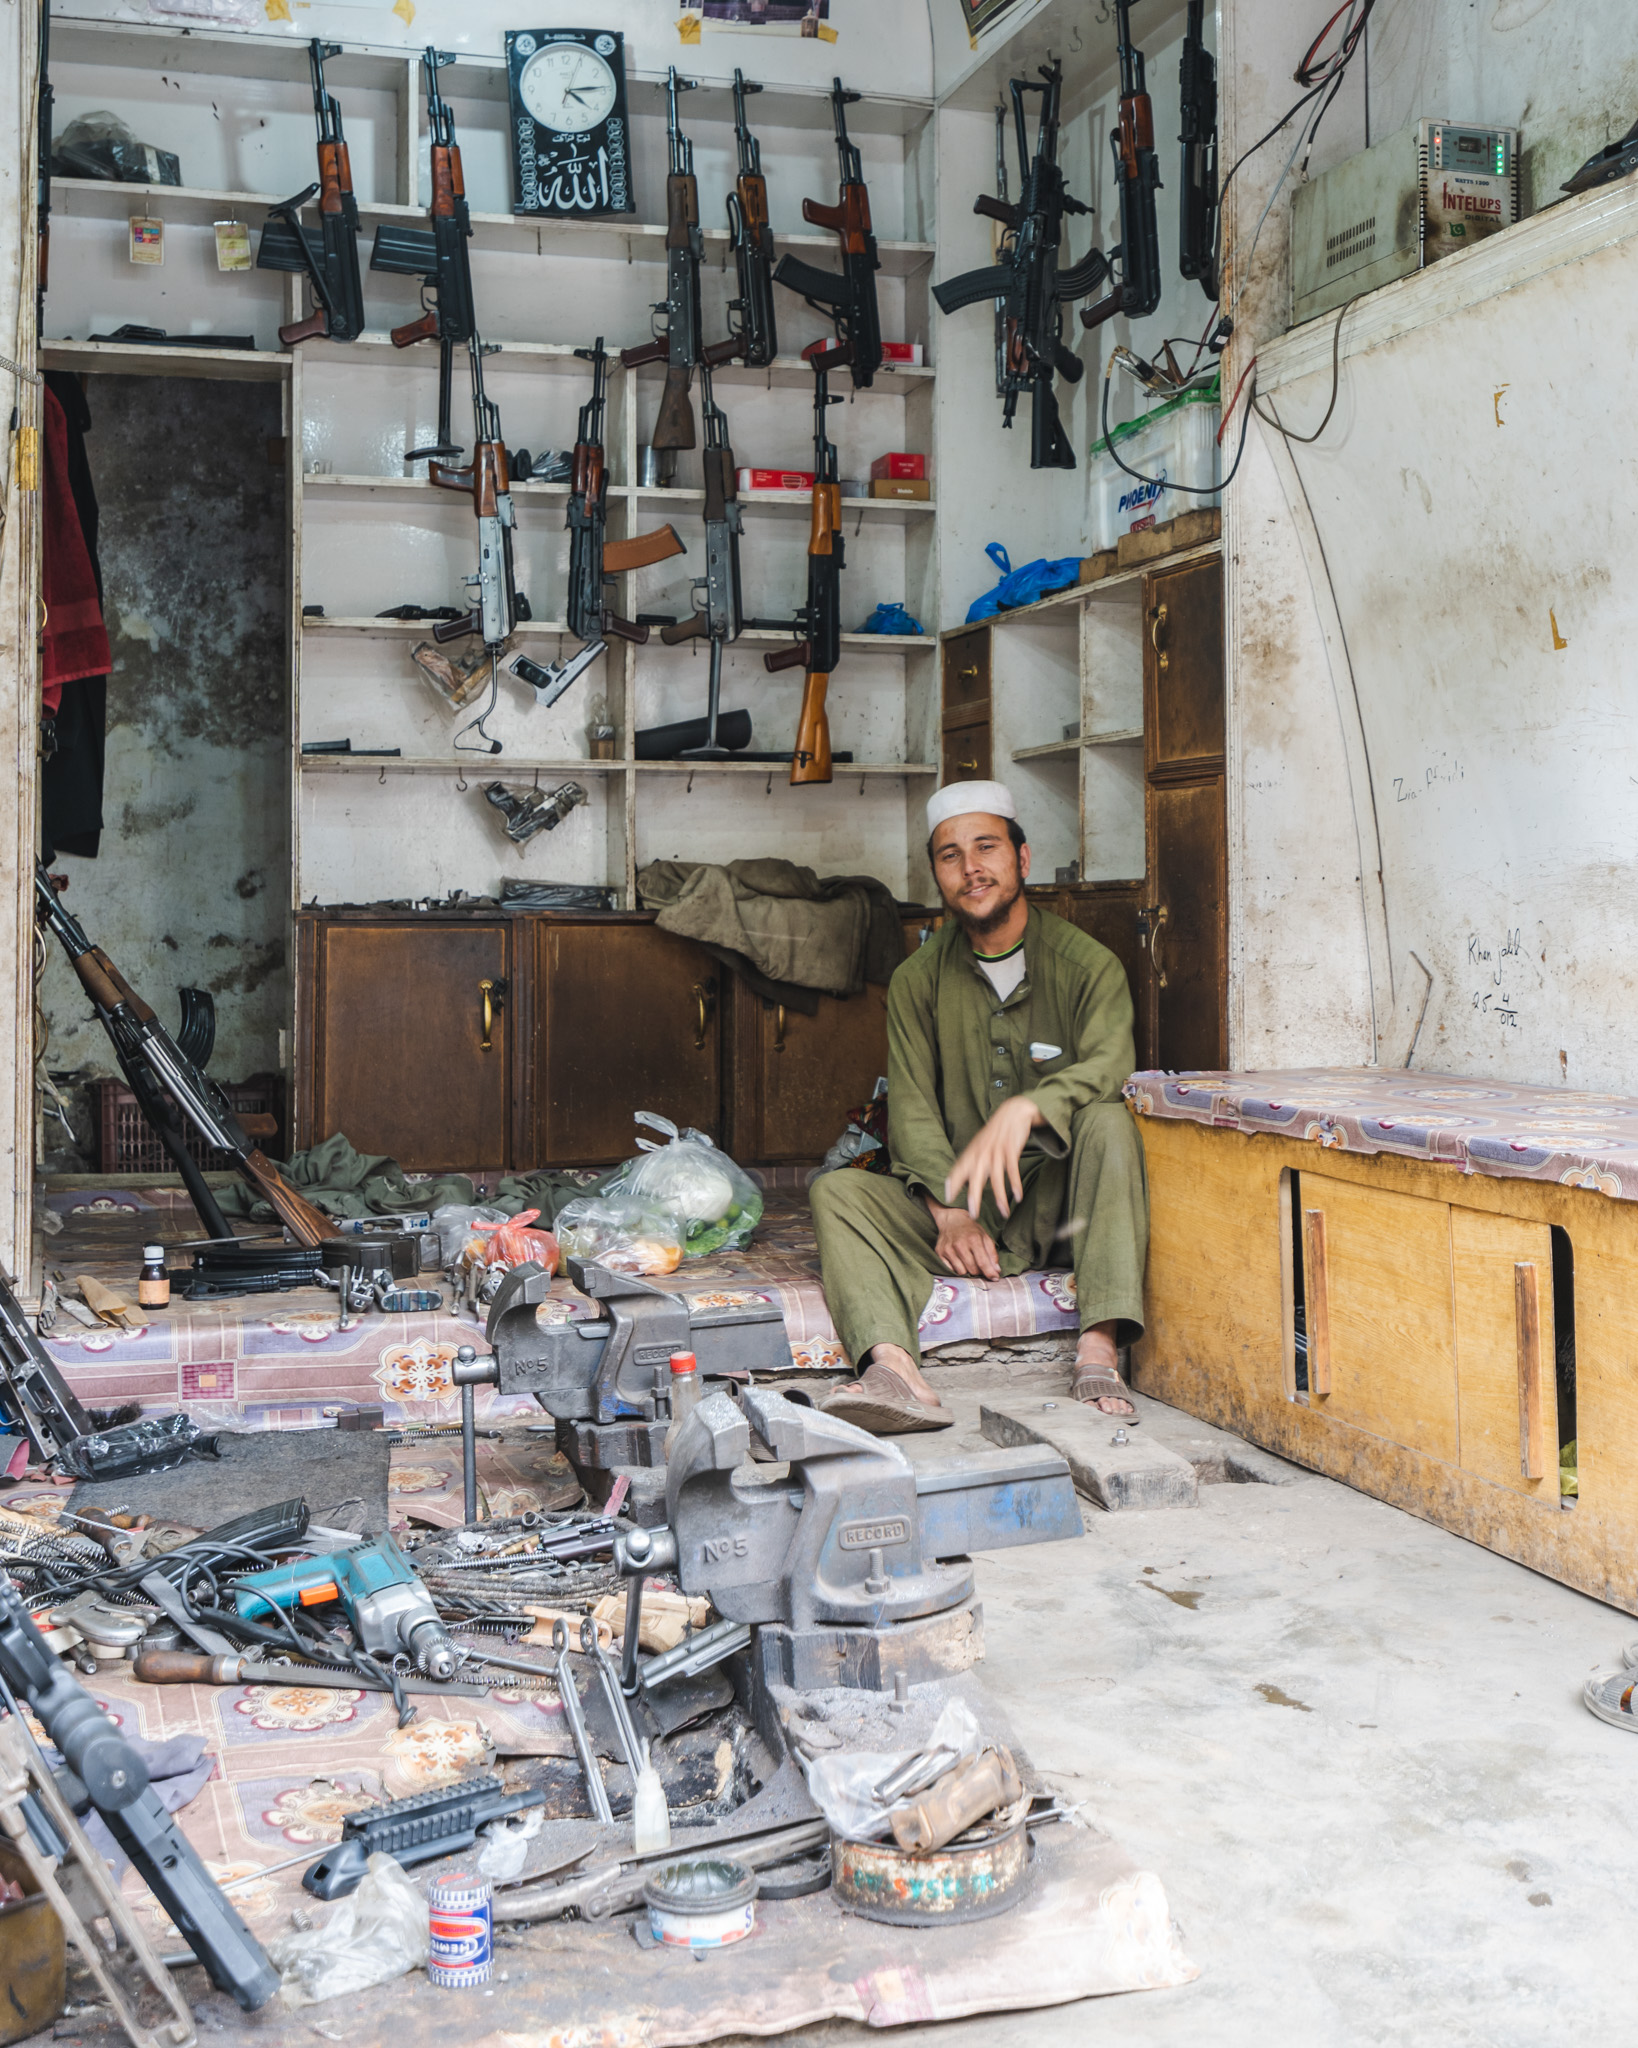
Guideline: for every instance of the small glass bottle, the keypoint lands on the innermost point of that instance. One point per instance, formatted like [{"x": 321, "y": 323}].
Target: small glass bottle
[
  {"x": 153, "y": 1283},
  {"x": 685, "y": 1393}
]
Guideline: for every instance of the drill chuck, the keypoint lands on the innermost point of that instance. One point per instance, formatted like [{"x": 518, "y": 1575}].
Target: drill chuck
[{"x": 432, "y": 1650}]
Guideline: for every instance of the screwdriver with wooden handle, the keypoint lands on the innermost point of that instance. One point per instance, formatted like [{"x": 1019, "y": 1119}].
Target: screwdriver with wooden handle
[
  {"x": 183, "y": 1667},
  {"x": 977, "y": 1786}
]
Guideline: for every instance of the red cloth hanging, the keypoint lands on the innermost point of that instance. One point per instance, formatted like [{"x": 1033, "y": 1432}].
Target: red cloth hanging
[{"x": 75, "y": 643}]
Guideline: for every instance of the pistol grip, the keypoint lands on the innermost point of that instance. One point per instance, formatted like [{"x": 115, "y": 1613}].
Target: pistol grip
[
  {"x": 455, "y": 629},
  {"x": 314, "y": 328},
  {"x": 424, "y": 329}
]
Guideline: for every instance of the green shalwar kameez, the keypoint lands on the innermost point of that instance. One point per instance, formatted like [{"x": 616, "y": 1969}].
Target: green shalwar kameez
[{"x": 956, "y": 1052}]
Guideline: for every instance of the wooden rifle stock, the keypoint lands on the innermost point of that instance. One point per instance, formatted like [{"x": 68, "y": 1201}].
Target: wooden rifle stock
[
  {"x": 674, "y": 425},
  {"x": 811, "y": 760},
  {"x": 307, "y": 1225}
]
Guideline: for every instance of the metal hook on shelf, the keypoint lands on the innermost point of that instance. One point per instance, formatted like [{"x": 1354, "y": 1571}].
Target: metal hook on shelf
[
  {"x": 861, "y": 785},
  {"x": 767, "y": 788},
  {"x": 460, "y": 780},
  {"x": 381, "y": 779},
  {"x": 689, "y": 791}
]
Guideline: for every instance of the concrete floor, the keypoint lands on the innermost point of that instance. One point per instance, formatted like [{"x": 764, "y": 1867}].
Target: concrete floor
[{"x": 1352, "y": 1747}]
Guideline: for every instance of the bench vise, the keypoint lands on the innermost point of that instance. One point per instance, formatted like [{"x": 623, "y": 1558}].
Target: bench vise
[
  {"x": 606, "y": 1379},
  {"x": 854, "y": 1563}
]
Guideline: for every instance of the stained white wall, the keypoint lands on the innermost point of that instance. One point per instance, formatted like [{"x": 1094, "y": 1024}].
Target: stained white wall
[{"x": 1433, "y": 799}]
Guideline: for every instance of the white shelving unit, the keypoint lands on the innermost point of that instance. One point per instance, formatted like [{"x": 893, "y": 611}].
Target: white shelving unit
[{"x": 368, "y": 533}]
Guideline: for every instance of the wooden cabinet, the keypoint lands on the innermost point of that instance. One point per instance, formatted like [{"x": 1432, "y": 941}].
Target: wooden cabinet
[
  {"x": 627, "y": 1017},
  {"x": 590, "y": 1019},
  {"x": 967, "y": 733},
  {"x": 406, "y": 1037}
]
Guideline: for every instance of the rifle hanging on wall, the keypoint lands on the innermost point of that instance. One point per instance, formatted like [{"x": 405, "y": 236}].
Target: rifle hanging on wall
[
  {"x": 1197, "y": 217},
  {"x": 848, "y": 296},
  {"x": 820, "y": 619},
  {"x": 1137, "y": 179},
  {"x": 330, "y": 259}
]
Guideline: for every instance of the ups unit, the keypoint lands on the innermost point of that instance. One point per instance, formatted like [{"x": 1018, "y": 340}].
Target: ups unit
[{"x": 1418, "y": 196}]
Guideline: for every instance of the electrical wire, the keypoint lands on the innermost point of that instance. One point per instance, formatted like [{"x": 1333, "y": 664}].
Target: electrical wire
[
  {"x": 1194, "y": 490},
  {"x": 1307, "y": 440}
]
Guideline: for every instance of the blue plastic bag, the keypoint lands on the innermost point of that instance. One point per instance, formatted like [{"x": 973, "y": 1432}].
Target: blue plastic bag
[
  {"x": 1022, "y": 586},
  {"x": 890, "y": 618}
]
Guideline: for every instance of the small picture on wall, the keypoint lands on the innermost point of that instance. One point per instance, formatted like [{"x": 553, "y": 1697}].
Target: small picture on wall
[
  {"x": 785, "y": 14},
  {"x": 977, "y": 14}
]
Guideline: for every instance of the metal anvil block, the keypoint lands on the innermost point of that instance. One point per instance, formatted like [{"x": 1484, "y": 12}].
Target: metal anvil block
[
  {"x": 850, "y": 1533},
  {"x": 608, "y": 1367}
]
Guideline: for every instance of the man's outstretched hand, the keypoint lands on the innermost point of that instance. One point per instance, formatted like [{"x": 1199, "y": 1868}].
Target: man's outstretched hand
[
  {"x": 964, "y": 1246},
  {"x": 991, "y": 1160}
]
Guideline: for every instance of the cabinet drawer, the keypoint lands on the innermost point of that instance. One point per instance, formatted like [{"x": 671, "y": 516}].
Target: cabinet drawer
[{"x": 967, "y": 671}]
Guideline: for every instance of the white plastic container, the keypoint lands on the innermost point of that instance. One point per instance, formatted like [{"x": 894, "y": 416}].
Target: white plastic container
[{"x": 1175, "y": 443}]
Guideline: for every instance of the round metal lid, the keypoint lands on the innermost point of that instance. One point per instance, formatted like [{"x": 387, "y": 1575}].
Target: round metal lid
[{"x": 700, "y": 1884}]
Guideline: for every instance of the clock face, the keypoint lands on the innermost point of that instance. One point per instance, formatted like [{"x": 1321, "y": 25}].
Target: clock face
[{"x": 568, "y": 88}]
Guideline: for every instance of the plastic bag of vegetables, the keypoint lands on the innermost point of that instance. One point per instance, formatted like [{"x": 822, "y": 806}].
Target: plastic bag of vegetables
[
  {"x": 621, "y": 1231},
  {"x": 716, "y": 1204}
]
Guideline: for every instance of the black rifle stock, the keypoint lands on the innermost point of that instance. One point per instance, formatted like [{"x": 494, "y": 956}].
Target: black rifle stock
[
  {"x": 750, "y": 236},
  {"x": 1029, "y": 286},
  {"x": 848, "y": 296},
  {"x": 103, "y": 1771},
  {"x": 720, "y": 618},
  {"x": 1197, "y": 218},
  {"x": 1137, "y": 178},
  {"x": 331, "y": 258},
  {"x": 161, "y": 1076}
]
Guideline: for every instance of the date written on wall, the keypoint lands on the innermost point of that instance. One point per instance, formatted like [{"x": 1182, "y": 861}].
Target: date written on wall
[{"x": 1496, "y": 967}]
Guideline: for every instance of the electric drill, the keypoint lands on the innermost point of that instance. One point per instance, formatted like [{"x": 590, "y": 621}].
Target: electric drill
[{"x": 390, "y": 1611}]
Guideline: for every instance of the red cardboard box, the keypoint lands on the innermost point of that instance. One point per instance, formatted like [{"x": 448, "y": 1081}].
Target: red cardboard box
[
  {"x": 775, "y": 479},
  {"x": 911, "y": 467},
  {"x": 902, "y": 352}
]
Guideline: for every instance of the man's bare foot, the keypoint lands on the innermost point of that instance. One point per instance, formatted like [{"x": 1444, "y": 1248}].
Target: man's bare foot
[
  {"x": 1096, "y": 1379},
  {"x": 900, "y": 1363}
]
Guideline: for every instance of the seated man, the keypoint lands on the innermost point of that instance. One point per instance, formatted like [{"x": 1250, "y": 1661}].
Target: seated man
[{"x": 1009, "y": 1034}]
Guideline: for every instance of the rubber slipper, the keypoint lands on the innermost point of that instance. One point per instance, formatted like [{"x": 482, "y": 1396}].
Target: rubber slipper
[
  {"x": 1093, "y": 1383},
  {"x": 883, "y": 1404}
]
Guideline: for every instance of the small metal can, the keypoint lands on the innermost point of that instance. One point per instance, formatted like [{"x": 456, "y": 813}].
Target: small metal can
[{"x": 462, "y": 1950}]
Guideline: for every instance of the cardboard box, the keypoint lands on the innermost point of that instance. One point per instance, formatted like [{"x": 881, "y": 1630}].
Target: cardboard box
[
  {"x": 775, "y": 479},
  {"x": 913, "y": 467},
  {"x": 900, "y": 487},
  {"x": 907, "y": 352}
]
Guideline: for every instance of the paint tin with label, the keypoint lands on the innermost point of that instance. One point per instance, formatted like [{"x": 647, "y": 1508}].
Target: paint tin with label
[{"x": 462, "y": 1949}]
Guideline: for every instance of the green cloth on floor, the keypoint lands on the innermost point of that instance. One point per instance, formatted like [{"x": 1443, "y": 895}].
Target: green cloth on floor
[
  {"x": 956, "y": 1052},
  {"x": 344, "y": 1182}
]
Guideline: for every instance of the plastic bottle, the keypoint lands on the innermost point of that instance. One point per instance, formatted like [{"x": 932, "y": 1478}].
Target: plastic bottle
[
  {"x": 685, "y": 1392},
  {"x": 153, "y": 1283}
]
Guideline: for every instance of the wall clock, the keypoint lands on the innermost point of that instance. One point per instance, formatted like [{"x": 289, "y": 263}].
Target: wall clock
[{"x": 571, "y": 138}]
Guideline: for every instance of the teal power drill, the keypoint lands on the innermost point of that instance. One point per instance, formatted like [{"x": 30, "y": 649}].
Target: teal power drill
[{"x": 390, "y": 1611}]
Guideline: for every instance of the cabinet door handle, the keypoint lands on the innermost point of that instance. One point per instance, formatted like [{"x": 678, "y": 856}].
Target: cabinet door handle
[
  {"x": 1157, "y": 619},
  {"x": 973, "y": 671},
  {"x": 704, "y": 1001},
  {"x": 487, "y": 990},
  {"x": 1155, "y": 926},
  {"x": 970, "y": 765},
  {"x": 779, "y": 1027}
]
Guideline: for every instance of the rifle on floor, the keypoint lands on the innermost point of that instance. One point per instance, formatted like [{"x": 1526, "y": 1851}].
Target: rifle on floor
[
  {"x": 594, "y": 559},
  {"x": 848, "y": 296},
  {"x": 750, "y": 236},
  {"x": 1137, "y": 177},
  {"x": 680, "y": 347},
  {"x": 169, "y": 1087},
  {"x": 331, "y": 258},
  {"x": 1197, "y": 219},
  {"x": 438, "y": 256},
  {"x": 820, "y": 619},
  {"x": 720, "y": 619},
  {"x": 1028, "y": 278}
]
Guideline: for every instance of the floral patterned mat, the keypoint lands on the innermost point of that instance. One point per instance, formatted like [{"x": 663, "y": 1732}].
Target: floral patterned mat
[
  {"x": 284, "y": 1362},
  {"x": 1563, "y": 1135}
]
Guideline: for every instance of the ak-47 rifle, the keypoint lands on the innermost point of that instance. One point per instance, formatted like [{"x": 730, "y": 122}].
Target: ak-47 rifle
[
  {"x": 593, "y": 558},
  {"x": 1197, "y": 221},
  {"x": 820, "y": 619},
  {"x": 330, "y": 260},
  {"x": 1137, "y": 173},
  {"x": 1034, "y": 288},
  {"x": 751, "y": 238},
  {"x": 848, "y": 296},
  {"x": 1002, "y": 240},
  {"x": 681, "y": 347},
  {"x": 168, "y": 1086},
  {"x": 721, "y": 618},
  {"x": 439, "y": 257}
]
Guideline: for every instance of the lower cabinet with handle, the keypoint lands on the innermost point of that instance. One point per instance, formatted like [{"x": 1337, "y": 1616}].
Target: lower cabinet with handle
[{"x": 481, "y": 1045}]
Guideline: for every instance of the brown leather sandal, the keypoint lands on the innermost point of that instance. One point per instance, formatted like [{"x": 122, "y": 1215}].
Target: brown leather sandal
[
  {"x": 1093, "y": 1383},
  {"x": 884, "y": 1404}
]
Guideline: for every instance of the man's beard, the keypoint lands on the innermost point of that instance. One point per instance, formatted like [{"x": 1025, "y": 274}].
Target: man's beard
[{"x": 992, "y": 921}]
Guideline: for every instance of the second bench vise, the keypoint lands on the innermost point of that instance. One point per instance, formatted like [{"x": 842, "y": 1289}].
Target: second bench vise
[{"x": 606, "y": 1379}]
